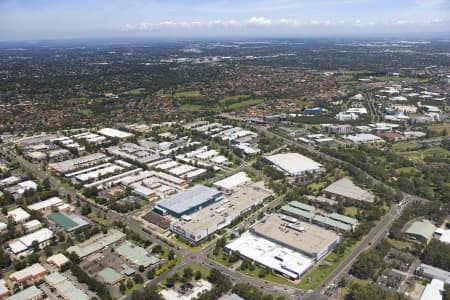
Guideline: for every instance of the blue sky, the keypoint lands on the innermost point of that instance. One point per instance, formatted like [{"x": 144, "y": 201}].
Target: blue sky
[{"x": 52, "y": 19}]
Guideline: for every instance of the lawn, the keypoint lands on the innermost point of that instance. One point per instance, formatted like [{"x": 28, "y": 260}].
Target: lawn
[
  {"x": 191, "y": 107},
  {"x": 93, "y": 216},
  {"x": 351, "y": 211},
  {"x": 438, "y": 128},
  {"x": 400, "y": 245},
  {"x": 86, "y": 112},
  {"x": 183, "y": 244},
  {"x": 245, "y": 103},
  {"x": 134, "y": 288},
  {"x": 401, "y": 147},
  {"x": 204, "y": 270},
  {"x": 409, "y": 170},
  {"x": 316, "y": 186},
  {"x": 188, "y": 94},
  {"x": 320, "y": 272}
]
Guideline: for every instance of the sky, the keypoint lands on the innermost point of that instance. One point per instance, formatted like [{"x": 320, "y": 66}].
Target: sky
[{"x": 66, "y": 19}]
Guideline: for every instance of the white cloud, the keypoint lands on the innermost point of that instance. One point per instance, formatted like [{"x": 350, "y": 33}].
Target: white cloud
[{"x": 259, "y": 21}]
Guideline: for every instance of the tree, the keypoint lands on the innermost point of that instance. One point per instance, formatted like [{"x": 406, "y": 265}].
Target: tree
[
  {"x": 188, "y": 273},
  {"x": 198, "y": 275},
  {"x": 141, "y": 268},
  {"x": 122, "y": 287},
  {"x": 171, "y": 255},
  {"x": 151, "y": 274},
  {"x": 138, "y": 279},
  {"x": 130, "y": 284}
]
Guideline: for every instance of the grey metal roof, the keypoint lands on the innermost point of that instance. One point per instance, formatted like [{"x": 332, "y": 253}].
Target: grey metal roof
[
  {"x": 346, "y": 188},
  {"x": 187, "y": 199}
]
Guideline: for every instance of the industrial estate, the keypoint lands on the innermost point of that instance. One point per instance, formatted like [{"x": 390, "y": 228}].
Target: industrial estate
[{"x": 273, "y": 169}]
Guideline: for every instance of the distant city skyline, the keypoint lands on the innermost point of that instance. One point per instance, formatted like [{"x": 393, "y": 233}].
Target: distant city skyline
[{"x": 53, "y": 19}]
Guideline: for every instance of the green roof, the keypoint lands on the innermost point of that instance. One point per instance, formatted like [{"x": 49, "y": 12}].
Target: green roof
[
  {"x": 331, "y": 222},
  {"x": 296, "y": 212},
  {"x": 301, "y": 206},
  {"x": 136, "y": 255},
  {"x": 62, "y": 220},
  {"x": 110, "y": 276},
  {"x": 343, "y": 219},
  {"x": 421, "y": 228}
]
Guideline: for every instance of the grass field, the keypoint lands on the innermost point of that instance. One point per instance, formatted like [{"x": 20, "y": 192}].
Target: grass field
[
  {"x": 183, "y": 244},
  {"x": 245, "y": 103},
  {"x": 433, "y": 152},
  {"x": 187, "y": 94},
  {"x": 93, "y": 216},
  {"x": 86, "y": 112},
  {"x": 135, "y": 91},
  {"x": 195, "y": 268},
  {"x": 191, "y": 107},
  {"x": 438, "y": 128},
  {"x": 409, "y": 170},
  {"x": 351, "y": 211},
  {"x": 234, "y": 98}
]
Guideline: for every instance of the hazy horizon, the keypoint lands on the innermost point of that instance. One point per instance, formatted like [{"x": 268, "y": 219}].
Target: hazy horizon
[{"x": 172, "y": 19}]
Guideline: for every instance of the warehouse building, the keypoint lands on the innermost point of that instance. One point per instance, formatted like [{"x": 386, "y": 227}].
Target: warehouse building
[
  {"x": 31, "y": 293},
  {"x": 64, "y": 287},
  {"x": 199, "y": 225},
  {"x": 294, "y": 164},
  {"x": 110, "y": 276},
  {"x": 69, "y": 223},
  {"x": 421, "y": 230},
  {"x": 344, "y": 187},
  {"x": 28, "y": 275},
  {"x": 78, "y": 163},
  {"x": 115, "y": 133},
  {"x": 308, "y": 239},
  {"x": 264, "y": 252},
  {"x": 188, "y": 201},
  {"x": 97, "y": 243},
  {"x": 232, "y": 182},
  {"x": 46, "y": 204},
  {"x": 58, "y": 260},
  {"x": 19, "y": 215},
  {"x": 23, "y": 245},
  {"x": 136, "y": 255}
]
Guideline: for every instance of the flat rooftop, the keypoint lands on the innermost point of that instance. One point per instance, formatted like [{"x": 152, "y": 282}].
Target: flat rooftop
[
  {"x": 222, "y": 213},
  {"x": 311, "y": 239},
  {"x": 188, "y": 199},
  {"x": 96, "y": 243},
  {"x": 294, "y": 163},
  {"x": 135, "y": 254},
  {"x": 346, "y": 188},
  {"x": 286, "y": 261}
]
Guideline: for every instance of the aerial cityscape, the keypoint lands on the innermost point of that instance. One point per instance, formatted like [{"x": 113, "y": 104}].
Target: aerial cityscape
[{"x": 200, "y": 150}]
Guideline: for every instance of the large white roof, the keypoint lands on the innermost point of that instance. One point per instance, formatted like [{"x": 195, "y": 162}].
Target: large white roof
[
  {"x": 111, "y": 132},
  {"x": 272, "y": 255},
  {"x": 233, "y": 181},
  {"x": 433, "y": 290},
  {"x": 294, "y": 163},
  {"x": 53, "y": 201},
  {"x": 19, "y": 215}
]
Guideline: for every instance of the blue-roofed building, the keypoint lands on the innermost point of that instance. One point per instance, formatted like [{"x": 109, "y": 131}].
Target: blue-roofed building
[
  {"x": 188, "y": 201},
  {"x": 314, "y": 111}
]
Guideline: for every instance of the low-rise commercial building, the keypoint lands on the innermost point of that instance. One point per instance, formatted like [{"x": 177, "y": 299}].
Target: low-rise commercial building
[
  {"x": 264, "y": 252},
  {"x": 199, "y": 225},
  {"x": 28, "y": 275},
  {"x": 308, "y": 239},
  {"x": 24, "y": 246},
  {"x": 30, "y": 293},
  {"x": 188, "y": 201},
  {"x": 97, "y": 243},
  {"x": 64, "y": 287},
  {"x": 294, "y": 164},
  {"x": 136, "y": 255},
  {"x": 345, "y": 188}
]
